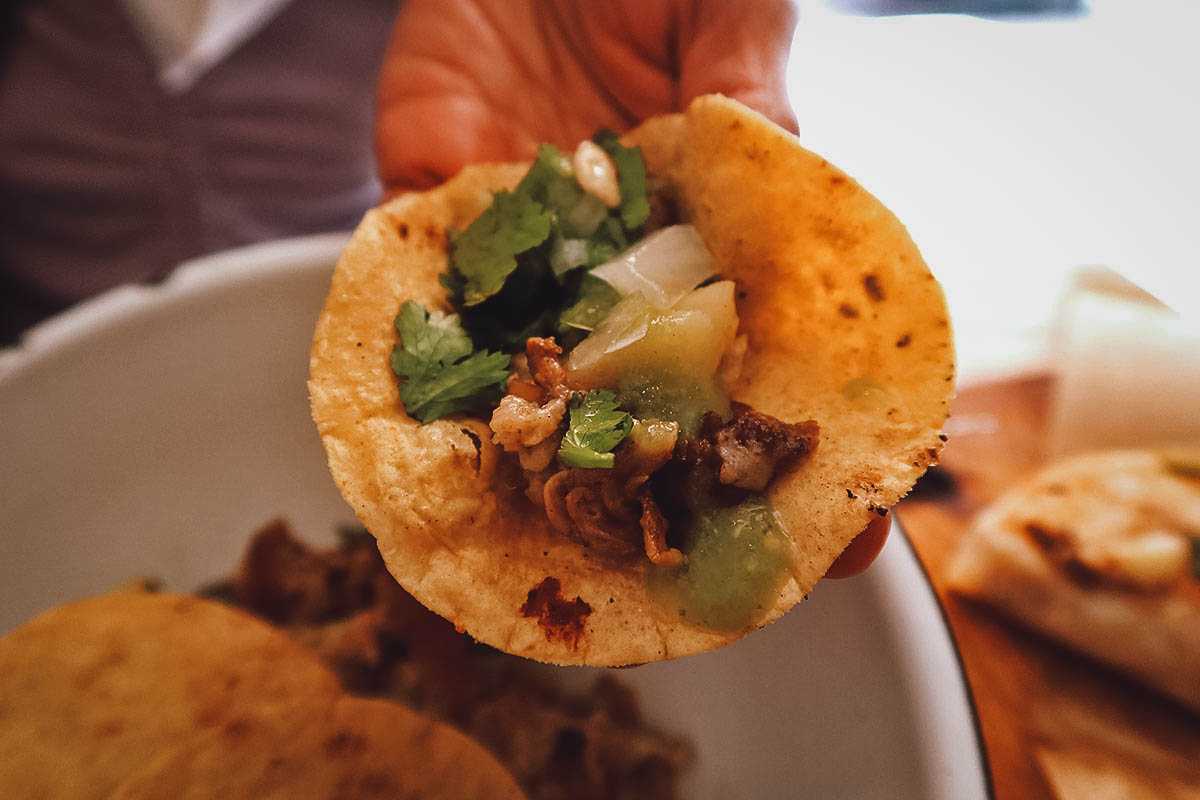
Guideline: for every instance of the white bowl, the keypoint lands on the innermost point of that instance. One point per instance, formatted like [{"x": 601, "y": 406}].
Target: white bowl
[{"x": 151, "y": 430}]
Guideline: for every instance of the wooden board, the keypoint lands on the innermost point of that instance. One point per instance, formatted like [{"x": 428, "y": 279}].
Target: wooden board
[{"x": 1055, "y": 724}]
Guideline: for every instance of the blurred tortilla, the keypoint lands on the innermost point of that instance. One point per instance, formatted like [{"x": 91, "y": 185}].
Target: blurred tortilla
[
  {"x": 833, "y": 290},
  {"x": 356, "y": 749},
  {"x": 92, "y": 690},
  {"x": 1096, "y": 501}
]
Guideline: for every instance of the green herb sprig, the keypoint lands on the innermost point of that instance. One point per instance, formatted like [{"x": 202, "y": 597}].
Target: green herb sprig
[
  {"x": 596, "y": 427},
  {"x": 439, "y": 369}
]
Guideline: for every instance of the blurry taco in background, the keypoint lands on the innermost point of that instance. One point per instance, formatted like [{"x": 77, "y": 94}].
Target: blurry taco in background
[{"x": 630, "y": 403}]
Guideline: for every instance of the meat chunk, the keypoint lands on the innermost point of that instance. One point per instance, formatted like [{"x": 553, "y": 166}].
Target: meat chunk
[
  {"x": 750, "y": 450},
  {"x": 546, "y": 367},
  {"x": 654, "y": 534},
  {"x": 753, "y": 448},
  {"x": 518, "y": 422},
  {"x": 529, "y": 419}
]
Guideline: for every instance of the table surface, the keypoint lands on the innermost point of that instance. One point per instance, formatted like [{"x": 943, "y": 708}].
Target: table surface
[{"x": 1034, "y": 698}]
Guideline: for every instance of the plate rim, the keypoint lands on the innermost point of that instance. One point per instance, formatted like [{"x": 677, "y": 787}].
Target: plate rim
[{"x": 219, "y": 269}]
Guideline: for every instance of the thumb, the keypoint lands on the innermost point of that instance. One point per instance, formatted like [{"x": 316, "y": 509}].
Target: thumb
[{"x": 740, "y": 50}]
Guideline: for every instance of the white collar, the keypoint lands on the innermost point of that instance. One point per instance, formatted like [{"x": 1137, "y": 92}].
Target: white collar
[{"x": 189, "y": 37}]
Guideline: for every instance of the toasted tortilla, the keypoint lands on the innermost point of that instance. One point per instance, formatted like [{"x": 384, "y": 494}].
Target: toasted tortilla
[
  {"x": 135, "y": 695},
  {"x": 92, "y": 690},
  {"x": 832, "y": 291},
  {"x": 1098, "y": 504},
  {"x": 355, "y": 749}
]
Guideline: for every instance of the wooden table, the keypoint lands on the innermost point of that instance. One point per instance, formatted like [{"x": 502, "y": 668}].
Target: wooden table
[{"x": 1055, "y": 724}]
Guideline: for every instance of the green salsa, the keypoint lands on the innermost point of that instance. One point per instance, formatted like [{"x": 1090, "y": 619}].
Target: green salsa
[
  {"x": 866, "y": 393},
  {"x": 737, "y": 557},
  {"x": 673, "y": 398}
]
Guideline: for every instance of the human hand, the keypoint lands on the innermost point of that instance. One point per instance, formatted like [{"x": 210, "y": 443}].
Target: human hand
[
  {"x": 862, "y": 550},
  {"x": 466, "y": 81}
]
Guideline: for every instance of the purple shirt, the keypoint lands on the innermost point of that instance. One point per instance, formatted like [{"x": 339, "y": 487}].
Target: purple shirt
[{"x": 105, "y": 178}]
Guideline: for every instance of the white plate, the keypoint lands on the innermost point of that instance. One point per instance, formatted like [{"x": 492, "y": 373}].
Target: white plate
[{"x": 149, "y": 431}]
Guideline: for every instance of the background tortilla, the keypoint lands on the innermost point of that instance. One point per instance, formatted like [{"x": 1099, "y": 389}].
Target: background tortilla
[
  {"x": 132, "y": 695},
  {"x": 92, "y": 690},
  {"x": 832, "y": 290},
  {"x": 354, "y": 749}
]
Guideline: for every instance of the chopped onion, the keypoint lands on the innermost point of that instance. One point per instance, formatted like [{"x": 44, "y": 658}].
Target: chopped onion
[
  {"x": 586, "y": 215},
  {"x": 626, "y": 323},
  {"x": 567, "y": 254},
  {"x": 664, "y": 266}
]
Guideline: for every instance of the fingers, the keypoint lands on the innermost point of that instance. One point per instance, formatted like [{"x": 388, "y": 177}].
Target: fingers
[
  {"x": 437, "y": 108},
  {"x": 467, "y": 81},
  {"x": 861, "y": 552},
  {"x": 740, "y": 50}
]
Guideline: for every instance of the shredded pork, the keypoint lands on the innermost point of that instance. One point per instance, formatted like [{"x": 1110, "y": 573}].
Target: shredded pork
[
  {"x": 591, "y": 507},
  {"x": 612, "y": 510},
  {"x": 529, "y": 419},
  {"x": 654, "y": 533},
  {"x": 609, "y": 511},
  {"x": 545, "y": 365}
]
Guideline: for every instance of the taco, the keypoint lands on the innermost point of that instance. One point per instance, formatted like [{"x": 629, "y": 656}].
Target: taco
[{"x": 585, "y": 454}]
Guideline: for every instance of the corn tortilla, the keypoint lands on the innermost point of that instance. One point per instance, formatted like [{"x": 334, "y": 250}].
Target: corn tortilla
[
  {"x": 832, "y": 291},
  {"x": 92, "y": 690},
  {"x": 355, "y": 749}
]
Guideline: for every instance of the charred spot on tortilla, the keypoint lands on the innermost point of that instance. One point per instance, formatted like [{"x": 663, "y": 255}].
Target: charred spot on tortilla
[
  {"x": 1057, "y": 545},
  {"x": 618, "y": 372},
  {"x": 560, "y": 619},
  {"x": 874, "y": 289}
]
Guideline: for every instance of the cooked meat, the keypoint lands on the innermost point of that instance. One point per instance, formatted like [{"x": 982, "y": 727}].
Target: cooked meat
[
  {"x": 654, "y": 533},
  {"x": 575, "y": 505},
  {"x": 750, "y": 450},
  {"x": 282, "y": 581},
  {"x": 529, "y": 419},
  {"x": 518, "y": 423},
  {"x": 604, "y": 753},
  {"x": 546, "y": 367},
  {"x": 754, "y": 448},
  {"x": 611, "y": 512}
]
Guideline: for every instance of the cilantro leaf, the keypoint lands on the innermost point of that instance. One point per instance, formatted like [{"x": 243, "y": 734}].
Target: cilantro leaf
[
  {"x": 518, "y": 267},
  {"x": 596, "y": 427},
  {"x": 551, "y": 182},
  {"x": 486, "y": 252},
  {"x": 631, "y": 178},
  {"x": 429, "y": 340},
  {"x": 440, "y": 370}
]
